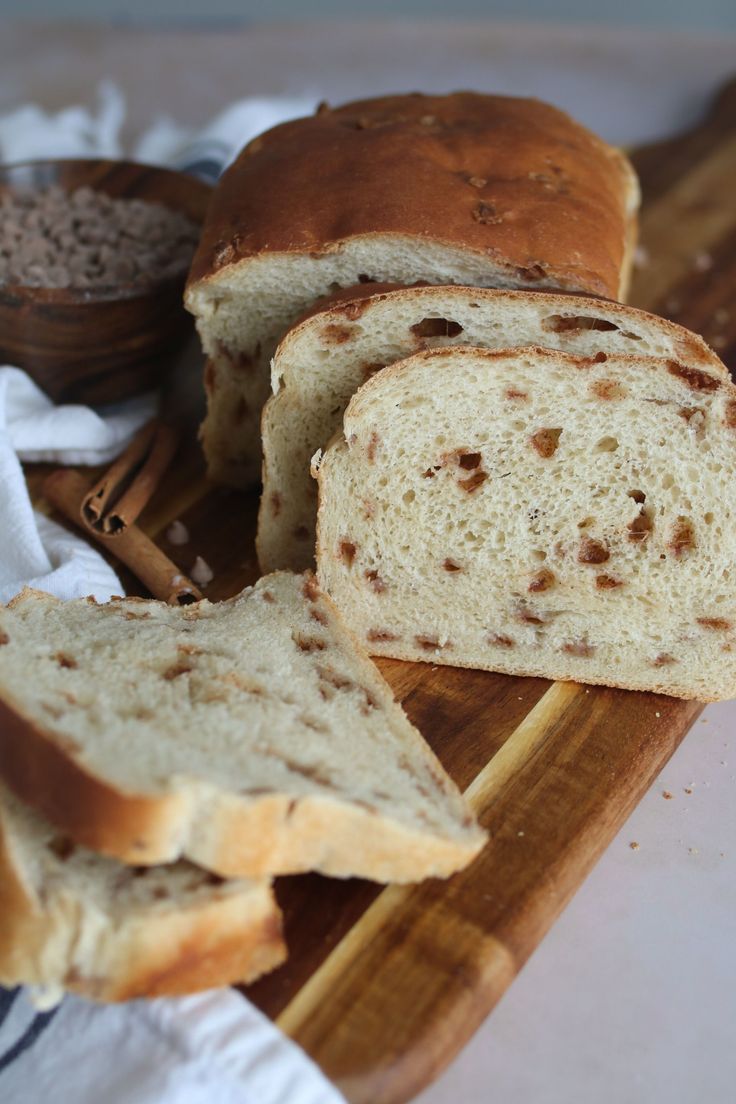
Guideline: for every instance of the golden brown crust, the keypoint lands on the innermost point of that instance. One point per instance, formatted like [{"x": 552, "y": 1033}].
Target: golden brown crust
[
  {"x": 213, "y": 945},
  {"x": 235, "y": 935},
  {"x": 19, "y": 930},
  {"x": 691, "y": 348},
  {"x": 415, "y": 655},
  {"x": 47, "y": 777},
  {"x": 349, "y": 301},
  {"x": 244, "y": 837},
  {"x": 512, "y": 180}
]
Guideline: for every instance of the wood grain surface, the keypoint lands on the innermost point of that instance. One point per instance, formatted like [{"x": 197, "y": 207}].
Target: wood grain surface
[{"x": 384, "y": 986}]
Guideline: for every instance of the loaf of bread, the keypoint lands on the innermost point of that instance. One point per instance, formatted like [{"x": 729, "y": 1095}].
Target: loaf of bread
[
  {"x": 72, "y": 920},
  {"x": 539, "y": 513},
  {"x": 252, "y": 736},
  {"x": 325, "y": 358},
  {"x": 465, "y": 189}
]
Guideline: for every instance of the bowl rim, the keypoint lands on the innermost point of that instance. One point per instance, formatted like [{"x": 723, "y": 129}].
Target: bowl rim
[{"x": 103, "y": 293}]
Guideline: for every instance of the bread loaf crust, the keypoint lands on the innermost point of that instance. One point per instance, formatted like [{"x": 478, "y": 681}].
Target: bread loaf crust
[
  {"x": 232, "y": 832},
  {"x": 233, "y": 837},
  {"x": 514, "y": 180},
  {"x": 309, "y": 394},
  {"x": 54, "y": 936}
]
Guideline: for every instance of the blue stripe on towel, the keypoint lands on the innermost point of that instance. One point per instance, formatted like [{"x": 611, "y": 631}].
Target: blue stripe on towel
[
  {"x": 37, "y": 1026},
  {"x": 7, "y": 997}
]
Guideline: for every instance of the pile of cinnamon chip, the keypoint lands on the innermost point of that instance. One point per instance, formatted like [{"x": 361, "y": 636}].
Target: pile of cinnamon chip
[{"x": 85, "y": 239}]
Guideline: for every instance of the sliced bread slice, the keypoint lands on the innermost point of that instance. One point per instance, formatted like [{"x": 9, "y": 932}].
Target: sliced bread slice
[
  {"x": 251, "y": 736},
  {"x": 72, "y": 920},
  {"x": 314, "y": 375},
  {"x": 539, "y": 513}
]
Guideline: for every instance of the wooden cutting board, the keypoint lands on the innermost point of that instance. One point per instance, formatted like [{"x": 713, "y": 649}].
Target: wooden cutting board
[{"x": 384, "y": 986}]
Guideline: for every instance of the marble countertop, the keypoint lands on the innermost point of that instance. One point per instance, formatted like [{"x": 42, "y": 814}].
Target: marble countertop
[{"x": 631, "y": 998}]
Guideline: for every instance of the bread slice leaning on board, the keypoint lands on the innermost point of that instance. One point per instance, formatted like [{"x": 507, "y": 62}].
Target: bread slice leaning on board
[
  {"x": 314, "y": 374},
  {"x": 539, "y": 513},
  {"x": 252, "y": 736},
  {"x": 72, "y": 920},
  {"x": 460, "y": 189}
]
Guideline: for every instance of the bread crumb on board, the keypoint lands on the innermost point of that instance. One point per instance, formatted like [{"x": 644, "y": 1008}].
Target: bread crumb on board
[
  {"x": 702, "y": 261},
  {"x": 201, "y": 572},
  {"x": 634, "y": 845},
  {"x": 177, "y": 533}
]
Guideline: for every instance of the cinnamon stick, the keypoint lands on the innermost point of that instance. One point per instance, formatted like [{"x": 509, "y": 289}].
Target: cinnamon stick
[
  {"x": 118, "y": 497},
  {"x": 66, "y": 489}
]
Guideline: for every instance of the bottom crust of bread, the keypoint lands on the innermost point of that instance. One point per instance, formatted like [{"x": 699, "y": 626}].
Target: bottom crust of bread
[{"x": 572, "y": 671}]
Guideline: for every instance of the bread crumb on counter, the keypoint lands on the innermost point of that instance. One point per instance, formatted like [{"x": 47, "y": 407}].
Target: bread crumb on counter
[
  {"x": 177, "y": 533},
  {"x": 702, "y": 261},
  {"x": 201, "y": 573}
]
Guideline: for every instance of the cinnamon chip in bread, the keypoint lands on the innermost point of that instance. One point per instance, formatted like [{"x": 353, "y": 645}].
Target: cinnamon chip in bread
[
  {"x": 314, "y": 379},
  {"x": 589, "y": 526},
  {"x": 252, "y": 736}
]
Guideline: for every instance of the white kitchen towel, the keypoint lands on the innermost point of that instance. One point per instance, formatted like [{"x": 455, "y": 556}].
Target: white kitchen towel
[
  {"x": 213, "y": 1048},
  {"x": 34, "y": 550},
  {"x": 29, "y": 133}
]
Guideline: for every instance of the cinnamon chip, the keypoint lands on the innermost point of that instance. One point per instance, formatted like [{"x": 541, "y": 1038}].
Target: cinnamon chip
[
  {"x": 65, "y": 660},
  {"x": 682, "y": 538},
  {"x": 469, "y": 461},
  {"x": 640, "y": 528},
  {"x": 716, "y": 624},
  {"x": 84, "y": 238},
  {"x": 592, "y": 551},
  {"x": 473, "y": 482},
  {"x": 545, "y": 441},
  {"x": 541, "y": 581},
  {"x": 309, "y": 643},
  {"x": 347, "y": 552},
  {"x": 693, "y": 377},
  {"x": 337, "y": 335}
]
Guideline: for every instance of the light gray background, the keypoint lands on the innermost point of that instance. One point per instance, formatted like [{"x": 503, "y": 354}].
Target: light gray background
[{"x": 696, "y": 14}]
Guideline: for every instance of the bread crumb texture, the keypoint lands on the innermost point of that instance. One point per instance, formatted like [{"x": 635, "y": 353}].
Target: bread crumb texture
[
  {"x": 608, "y": 558},
  {"x": 258, "y": 721},
  {"x": 314, "y": 380}
]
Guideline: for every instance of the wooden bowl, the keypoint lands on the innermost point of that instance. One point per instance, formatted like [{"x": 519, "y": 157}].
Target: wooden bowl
[{"x": 99, "y": 345}]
